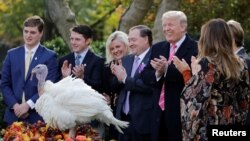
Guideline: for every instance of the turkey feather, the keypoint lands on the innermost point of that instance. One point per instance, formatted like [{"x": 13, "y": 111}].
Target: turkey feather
[{"x": 70, "y": 102}]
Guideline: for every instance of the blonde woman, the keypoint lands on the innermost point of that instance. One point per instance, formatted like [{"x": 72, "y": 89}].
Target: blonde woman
[{"x": 116, "y": 48}]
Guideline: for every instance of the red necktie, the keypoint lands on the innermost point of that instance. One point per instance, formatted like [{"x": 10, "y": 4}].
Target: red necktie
[{"x": 162, "y": 96}]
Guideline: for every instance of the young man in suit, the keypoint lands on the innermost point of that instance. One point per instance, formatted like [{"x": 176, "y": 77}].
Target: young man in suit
[
  {"x": 167, "y": 80},
  {"x": 82, "y": 62},
  {"x": 238, "y": 34},
  {"x": 135, "y": 103},
  {"x": 19, "y": 91}
]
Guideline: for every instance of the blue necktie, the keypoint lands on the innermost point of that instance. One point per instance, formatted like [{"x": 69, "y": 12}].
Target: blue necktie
[{"x": 77, "y": 60}]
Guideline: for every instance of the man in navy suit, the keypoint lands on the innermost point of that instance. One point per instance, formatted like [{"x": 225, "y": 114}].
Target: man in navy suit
[
  {"x": 82, "y": 62},
  {"x": 167, "y": 80},
  {"x": 238, "y": 34},
  {"x": 19, "y": 91},
  {"x": 135, "y": 103}
]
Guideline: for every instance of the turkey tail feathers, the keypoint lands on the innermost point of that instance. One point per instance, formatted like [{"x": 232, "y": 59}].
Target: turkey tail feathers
[
  {"x": 120, "y": 124},
  {"x": 108, "y": 118}
]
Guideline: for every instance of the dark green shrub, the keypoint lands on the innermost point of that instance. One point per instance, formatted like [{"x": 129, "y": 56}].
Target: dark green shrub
[
  {"x": 58, "y": 45},
  {"x": 98, "y": 47}
]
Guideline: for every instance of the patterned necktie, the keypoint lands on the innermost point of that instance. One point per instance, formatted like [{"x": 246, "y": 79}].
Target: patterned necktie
[
  {"x": 77, "y": 60},
  {"x": 172, "y": 53},
  {"x": 162, "y": 96},
  {"x": 135, "y": 66}
]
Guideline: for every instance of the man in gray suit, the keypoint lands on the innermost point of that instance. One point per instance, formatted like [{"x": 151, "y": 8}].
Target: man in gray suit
[
  {"x": 238, "y": 34},
  {"x": 135, "y": 102}
]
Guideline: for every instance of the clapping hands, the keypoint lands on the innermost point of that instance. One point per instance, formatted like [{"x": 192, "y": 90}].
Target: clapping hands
[
  {"x": 78, "y": 71},
  {"x": 160, "y": 65},
  {"x": 118, "y": 70},
  {"x": 181, "y": 65}
]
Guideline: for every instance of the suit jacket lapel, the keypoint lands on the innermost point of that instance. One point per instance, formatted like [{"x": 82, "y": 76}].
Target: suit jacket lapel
[
  {"x": 241, "y": 51},
  {"x": 128, "y": 64},
  {"x": 21, "y": 54},
  {"x": 166, "y": 53},
  {"x": 72, "y": 59},
  {"x": 183, "y": 48},
  {"x": 87, "y": 57},
  {"x": 143, "y": 63}
]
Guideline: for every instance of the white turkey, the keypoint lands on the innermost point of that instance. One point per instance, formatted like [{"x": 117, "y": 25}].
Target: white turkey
[{"x": 71, "y": 102}]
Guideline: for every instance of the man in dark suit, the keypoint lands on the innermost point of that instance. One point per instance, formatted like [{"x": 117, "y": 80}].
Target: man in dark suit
[
  {"x": 238, "y": 34},
  {"x": 168, "y": 82},
  {"x": 82, "y": 62},
  {"x": 19, "y": 92},
  {"x": 135, "y": 99}
]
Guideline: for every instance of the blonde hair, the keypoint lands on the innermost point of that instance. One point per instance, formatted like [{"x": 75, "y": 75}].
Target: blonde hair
[
  {"x": 182, "y": 18},
  {"x": 237, "y": 31},
  {"x": 119, "y": 35},
  {"x": 216, "y": 43}
]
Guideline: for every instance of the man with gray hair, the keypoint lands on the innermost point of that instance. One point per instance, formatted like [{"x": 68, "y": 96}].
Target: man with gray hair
[{"x": 162, "y": 74}]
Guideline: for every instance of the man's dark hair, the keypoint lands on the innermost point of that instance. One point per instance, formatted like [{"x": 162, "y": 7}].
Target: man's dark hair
[
  {"x": 144, "y": 32},
  {"x": 85, "y": 30}
]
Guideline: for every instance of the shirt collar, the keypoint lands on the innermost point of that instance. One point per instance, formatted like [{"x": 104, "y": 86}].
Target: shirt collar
[
  {"x": 83, "y": 54},
  {"x": 33, "y": 50},
  {"x": 178, "y": 44},
  {"x": 237, "y": 51},
  {"x": 142, "y": 55}
]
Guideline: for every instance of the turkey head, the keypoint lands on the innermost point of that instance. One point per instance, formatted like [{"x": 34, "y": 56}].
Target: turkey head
[{"x": 41, "y": 72}]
